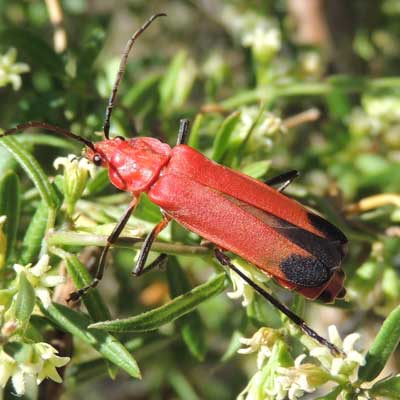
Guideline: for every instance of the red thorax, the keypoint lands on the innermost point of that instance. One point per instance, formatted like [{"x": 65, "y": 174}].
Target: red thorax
[{"x": 133, "y": 164}]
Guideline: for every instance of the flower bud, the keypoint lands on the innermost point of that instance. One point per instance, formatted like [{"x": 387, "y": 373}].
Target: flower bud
[{"x": 76, "y": 174}]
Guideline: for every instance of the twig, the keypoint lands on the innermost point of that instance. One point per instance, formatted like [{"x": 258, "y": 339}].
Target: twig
[{"x": 57, "y": 19}]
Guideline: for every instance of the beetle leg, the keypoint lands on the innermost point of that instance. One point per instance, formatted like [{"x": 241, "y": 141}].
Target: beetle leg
[
  {"x": 183, "y": 134},
  {"x": 145, "y": 250},
  {"x": 74, "y": 296},
  {"x": 226, "y": 261},
  {"x": 284, "y": 180}
]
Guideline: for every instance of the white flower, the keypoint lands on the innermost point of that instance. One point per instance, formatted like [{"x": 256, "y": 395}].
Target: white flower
[
  {"x": 10, "y": 70},
  {"x": 50, "y": 361},
  {"x": 40, "y": 279},
  {"x": 340, "y": 365},
  {"x": 7, "y": 367},
  {"x": 301, "y": 378},
  {"x": 264, "y": 126},
  {"x": 76, "y": 174},
  {"x": 261, "y": 342},
  {"x": 241, "y": 288},
  {"x": 265, "y": 40}
]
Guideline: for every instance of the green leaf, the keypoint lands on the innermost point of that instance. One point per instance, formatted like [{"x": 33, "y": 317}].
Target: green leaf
[
  {"x": 221, "y": 142},
  {"x": 81, "y": 277},
  {"x": 94, "y": 369},
  {"x": 191, "y": 325},
  {"x": 33, "y": 170},
  {"x": 35, "y": 234},
  {"x": 174, "y": 90},
  {"x": 257, "y": 169},
  {"x": 25, "y": 301},
  {"x": 99, "y": 182},
  {"x": 389, "y": 388},
  {"x": 10, "y": 205},
  {"x": 383, "y": 346},
  {"x": 169, "y": 312},
  {"x": 77, "y": 324},
  {"x": 195, "y": 131},
  {"x": 181, "y": 385},
  {"x": 139, "y": 93}
]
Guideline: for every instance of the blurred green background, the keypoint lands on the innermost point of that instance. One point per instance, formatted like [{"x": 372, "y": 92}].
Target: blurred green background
[{"x": 269, "y": 86}]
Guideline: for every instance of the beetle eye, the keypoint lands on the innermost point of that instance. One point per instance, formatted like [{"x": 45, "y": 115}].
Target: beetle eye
[{"x": 97, "y": 160}]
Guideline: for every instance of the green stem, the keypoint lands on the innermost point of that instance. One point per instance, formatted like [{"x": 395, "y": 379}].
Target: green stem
[{"x": 61, "y": 238}]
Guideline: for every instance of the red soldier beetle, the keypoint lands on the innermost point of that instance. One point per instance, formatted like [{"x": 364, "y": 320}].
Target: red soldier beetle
[{"x": 297, "y": 248}]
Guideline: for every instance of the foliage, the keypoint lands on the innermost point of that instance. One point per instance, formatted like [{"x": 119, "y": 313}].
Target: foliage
[{"x": 262, "y": 100}]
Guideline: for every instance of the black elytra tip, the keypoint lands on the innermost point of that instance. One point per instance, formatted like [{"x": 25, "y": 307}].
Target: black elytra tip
[
  {"x": 305, "y": 271},
  {"x": 330, "y": 231}
]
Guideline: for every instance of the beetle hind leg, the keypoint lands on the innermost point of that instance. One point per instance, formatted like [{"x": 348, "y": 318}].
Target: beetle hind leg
[{"x": 226, "y": 261}]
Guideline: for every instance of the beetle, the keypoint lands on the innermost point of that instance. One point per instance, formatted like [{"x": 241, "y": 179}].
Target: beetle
[{"x": 299, "y": 249}]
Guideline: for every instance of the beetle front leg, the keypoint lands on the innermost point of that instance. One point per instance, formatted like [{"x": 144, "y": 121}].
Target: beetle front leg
[
  {"x": 74, "y": 296},
  {"x": 146, "y": 247},
  {"x": 226, "y": 261},
  {"x": 284, "y": 179}
]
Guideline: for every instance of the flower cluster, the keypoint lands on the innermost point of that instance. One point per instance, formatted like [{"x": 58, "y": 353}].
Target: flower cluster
[
  {"x": 10, "y": 70},
  {"x": 40, "y": 278},
  {"x": 31, "y": 364},
  {"x": 299, "y": 377}
]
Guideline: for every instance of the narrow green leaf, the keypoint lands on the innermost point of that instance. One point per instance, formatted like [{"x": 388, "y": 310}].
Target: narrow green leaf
[
  {"x": 194, "y": 136},
  {"x": 35, "y": 233},
  {"x": 181, "y": 385},
  {"x": 47, "y": 140},
  {"x": 223, "y": 135},
  {"x": 107, "y": 345},
  {"x": 170, "y": 82},
  {"x": 81, "y": 277},
  {"x": 10, "y": 205},
  {"x": 233, "y": 347},
  {"x": 140, "y": 92},
  {"x": 169, "y": 312},
  {"x": 389, "y": 388},
  {"x": 383, "y": 346},
  {"x": 25, "y": 301},
  {"x": 257, "y": 169},
  {"x": 94, "y": 369},
  {"x": 99, "y": 182},
  {"x": 33, "y": 170},
  {"x": 191, "y": 326},
  {"x": 95, "y": 305}
]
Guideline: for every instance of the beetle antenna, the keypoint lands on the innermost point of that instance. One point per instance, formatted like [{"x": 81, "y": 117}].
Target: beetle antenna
[
  {"x": 48, "y": 127},
  {"x": 121, "y": 70}
]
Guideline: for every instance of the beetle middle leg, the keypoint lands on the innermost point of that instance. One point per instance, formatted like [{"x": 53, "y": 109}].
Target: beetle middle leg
[
  {"x": 74, "y": 296},
  {"x": 145, "y": 250},
  {"x": 226, "y": 261},
  {"x": 183, "y": 135},
  {"x": 284, "y": 180}
]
